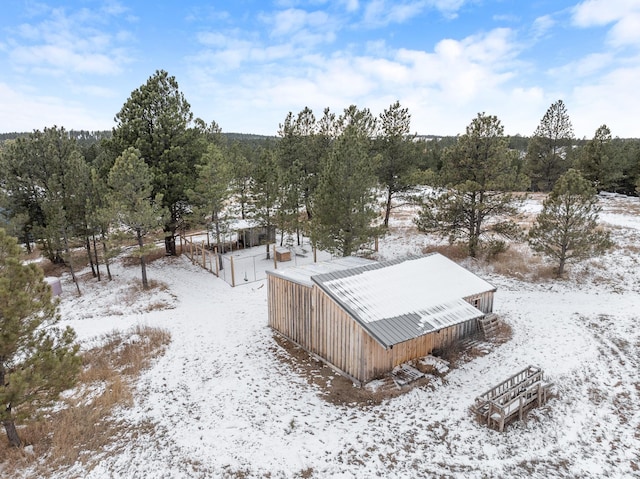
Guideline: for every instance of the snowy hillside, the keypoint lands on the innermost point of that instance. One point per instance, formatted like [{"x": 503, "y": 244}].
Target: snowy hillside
[{"x": 228, "y": 400}]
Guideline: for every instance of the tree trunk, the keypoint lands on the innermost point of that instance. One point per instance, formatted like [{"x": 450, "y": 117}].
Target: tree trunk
[
  {"x": 561, "y": 266},
  {"x": 387, "y": 211},
  {"x": 27, "y": 243},
  {"x": 12, "y": 433},
  {"x": 95, "y": 253},
  {"x": 170, "y": 244},
  {"x": 87, "y": 245},
  {"x": 143, "y": 265},
  {"x": 68, "y": 251},
  {"x": 106, "y": 256}
]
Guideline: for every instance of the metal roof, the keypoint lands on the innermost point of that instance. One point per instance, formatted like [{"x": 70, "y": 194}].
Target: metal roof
[
  {"x": 400, "y": 300},
  {"x": 302, "y": 274}
]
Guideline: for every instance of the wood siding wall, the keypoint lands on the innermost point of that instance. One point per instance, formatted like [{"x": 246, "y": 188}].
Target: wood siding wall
[
  {"x": 483, "y": 302},
  {"x": 317, "y": 323},
  {"x": 290, "y": 309}
]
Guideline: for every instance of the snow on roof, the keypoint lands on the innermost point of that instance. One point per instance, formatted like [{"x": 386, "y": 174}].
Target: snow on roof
[
  {"x": 400, "y": 300},
  {"x": 243, "y": 224},
  {"x": 302, "y": 274}
]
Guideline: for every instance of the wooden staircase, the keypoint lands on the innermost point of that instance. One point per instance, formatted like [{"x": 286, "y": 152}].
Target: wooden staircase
[{"x": 488, "y": 325}]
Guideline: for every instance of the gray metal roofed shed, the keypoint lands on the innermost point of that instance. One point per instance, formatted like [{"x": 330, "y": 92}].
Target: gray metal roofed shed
[{"x": 364, "y": 317}]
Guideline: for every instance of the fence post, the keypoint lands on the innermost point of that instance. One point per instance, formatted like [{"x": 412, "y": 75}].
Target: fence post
[
  {"x": 233, "y": 273},
  {"x": 217, "y": 261},
  {"x": 204, "y": 258},
  {"x": 181, "y": 234},
  {"x": 315, "y": 254},
  {"x": 376, "y": 245}
]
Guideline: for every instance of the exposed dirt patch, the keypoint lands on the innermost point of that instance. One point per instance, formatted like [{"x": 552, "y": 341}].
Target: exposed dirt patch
[{"x": 339, "y": 390}]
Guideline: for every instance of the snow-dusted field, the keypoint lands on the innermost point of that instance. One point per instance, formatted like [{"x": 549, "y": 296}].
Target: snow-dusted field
[{"x": 224, "y": 403}]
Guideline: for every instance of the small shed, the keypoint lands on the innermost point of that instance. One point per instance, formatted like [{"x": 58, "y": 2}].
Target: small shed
[
  {"x": 249, "y": 233},
  {"x": 364, "y": 317}
]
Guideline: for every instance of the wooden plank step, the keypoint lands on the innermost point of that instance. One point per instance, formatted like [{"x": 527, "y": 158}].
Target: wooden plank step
[{"x": 405, "y": 374}]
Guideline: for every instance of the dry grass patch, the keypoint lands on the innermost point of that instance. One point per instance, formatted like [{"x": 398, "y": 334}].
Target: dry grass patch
[
  {"x": 455, "y": 252},
  {"x": 79, "y": 259},
  {"x": 150, "y": 257},
  {"x": 519, "y": 262},
  {"x": 84, "y": 422}
]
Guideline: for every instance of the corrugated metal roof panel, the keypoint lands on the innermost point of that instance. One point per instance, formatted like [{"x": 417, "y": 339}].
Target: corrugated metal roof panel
[
  {"x": 302, "y": 274},
  {"x": 400, "y": 300}
]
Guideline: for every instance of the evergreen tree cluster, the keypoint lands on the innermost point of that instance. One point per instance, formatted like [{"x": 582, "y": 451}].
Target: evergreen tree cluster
[{"x": 334, "y": 178}]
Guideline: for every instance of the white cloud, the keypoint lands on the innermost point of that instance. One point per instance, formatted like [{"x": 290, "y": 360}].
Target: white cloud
[
  {"x": 467, "y": 76},
  {"x": 287, "y": 22},
  {"x": 626, "y": 31},
  {"x": 60, "y": 59},
  {"x": 351, "y": 5},
  {"x": 624, "y": 14},
  {"x": 382, "y": 12},
  {"x": 587, "y": 66},
  {"x": 612, "y": 100},
  {"x": 62, "y": 43},
  {"x": 542, "y": 25},
  {"x": 26, "y": 111},
  {"x": 379, "y": 13},
  {"x": 602, "y": 12}
]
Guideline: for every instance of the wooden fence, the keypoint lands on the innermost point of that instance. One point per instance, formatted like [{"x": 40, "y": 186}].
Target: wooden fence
[{"x": 234, "y": 270}]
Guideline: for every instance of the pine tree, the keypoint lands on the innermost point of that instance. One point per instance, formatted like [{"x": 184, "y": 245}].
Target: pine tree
[
  {"x": 395, "y": 146},
  {"x": 156, "y": 120},
  {"x": 212, "y": 188},
  {"x": 345, "y": 201},
  {"x": 265, "y": 189},
  {"x": 299, "y": 152},
  {"x": 567, "y": 228},
  {"x": 477, "y": 180},
  {"x": 38, "y": 360},
  {"x": 241, "y": 169},
  {"x": 598, "y": 164},
  {"x": 130, "y": 197},
  {"x": 548, "y": 148},
  {"x": 48, "y": 178}
]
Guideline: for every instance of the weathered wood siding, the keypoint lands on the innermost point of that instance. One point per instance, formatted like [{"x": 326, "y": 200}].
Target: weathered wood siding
[
  {"x": 321, "y": 326},
  {"x": 290, "y": 309},
  {"x": 483, "y": 301},
  {"x": 378, "y": 361}
]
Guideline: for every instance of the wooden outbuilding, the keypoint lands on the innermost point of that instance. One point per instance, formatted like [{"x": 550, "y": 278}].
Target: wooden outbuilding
[{"x": 364, "y": 317}]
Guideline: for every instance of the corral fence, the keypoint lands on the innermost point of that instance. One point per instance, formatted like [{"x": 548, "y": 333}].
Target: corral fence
[{"x": 238, "y": 268}]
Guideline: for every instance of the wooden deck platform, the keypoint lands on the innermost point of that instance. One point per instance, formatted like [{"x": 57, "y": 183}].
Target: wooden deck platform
[{"x": 512, "y": 398}]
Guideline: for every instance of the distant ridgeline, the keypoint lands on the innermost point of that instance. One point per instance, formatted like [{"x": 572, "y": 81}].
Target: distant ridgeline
[{"x": 85, "y": 137}]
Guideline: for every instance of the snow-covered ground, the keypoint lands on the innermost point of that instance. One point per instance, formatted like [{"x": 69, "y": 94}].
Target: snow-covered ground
[{"x": 224, "y": 401}]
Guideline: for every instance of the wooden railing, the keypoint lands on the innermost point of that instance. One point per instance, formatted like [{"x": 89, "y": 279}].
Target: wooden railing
[{"x": 512, "y": 398}]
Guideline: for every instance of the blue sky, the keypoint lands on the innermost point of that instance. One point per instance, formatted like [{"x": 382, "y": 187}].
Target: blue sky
[{"x": 247, "y": 63}]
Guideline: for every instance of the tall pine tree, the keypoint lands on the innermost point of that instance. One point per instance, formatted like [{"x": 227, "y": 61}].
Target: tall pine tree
[
  {"x": 395, "y": 145},
  {"x": 156, "y": 120},
  {"x": 133, "y": 206},
  {"x": 475, "y": 201},
  {"x": 548, "y": 148},
  {"x": 345, "y": 199},
  {"x": 38, "y": 360}
]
